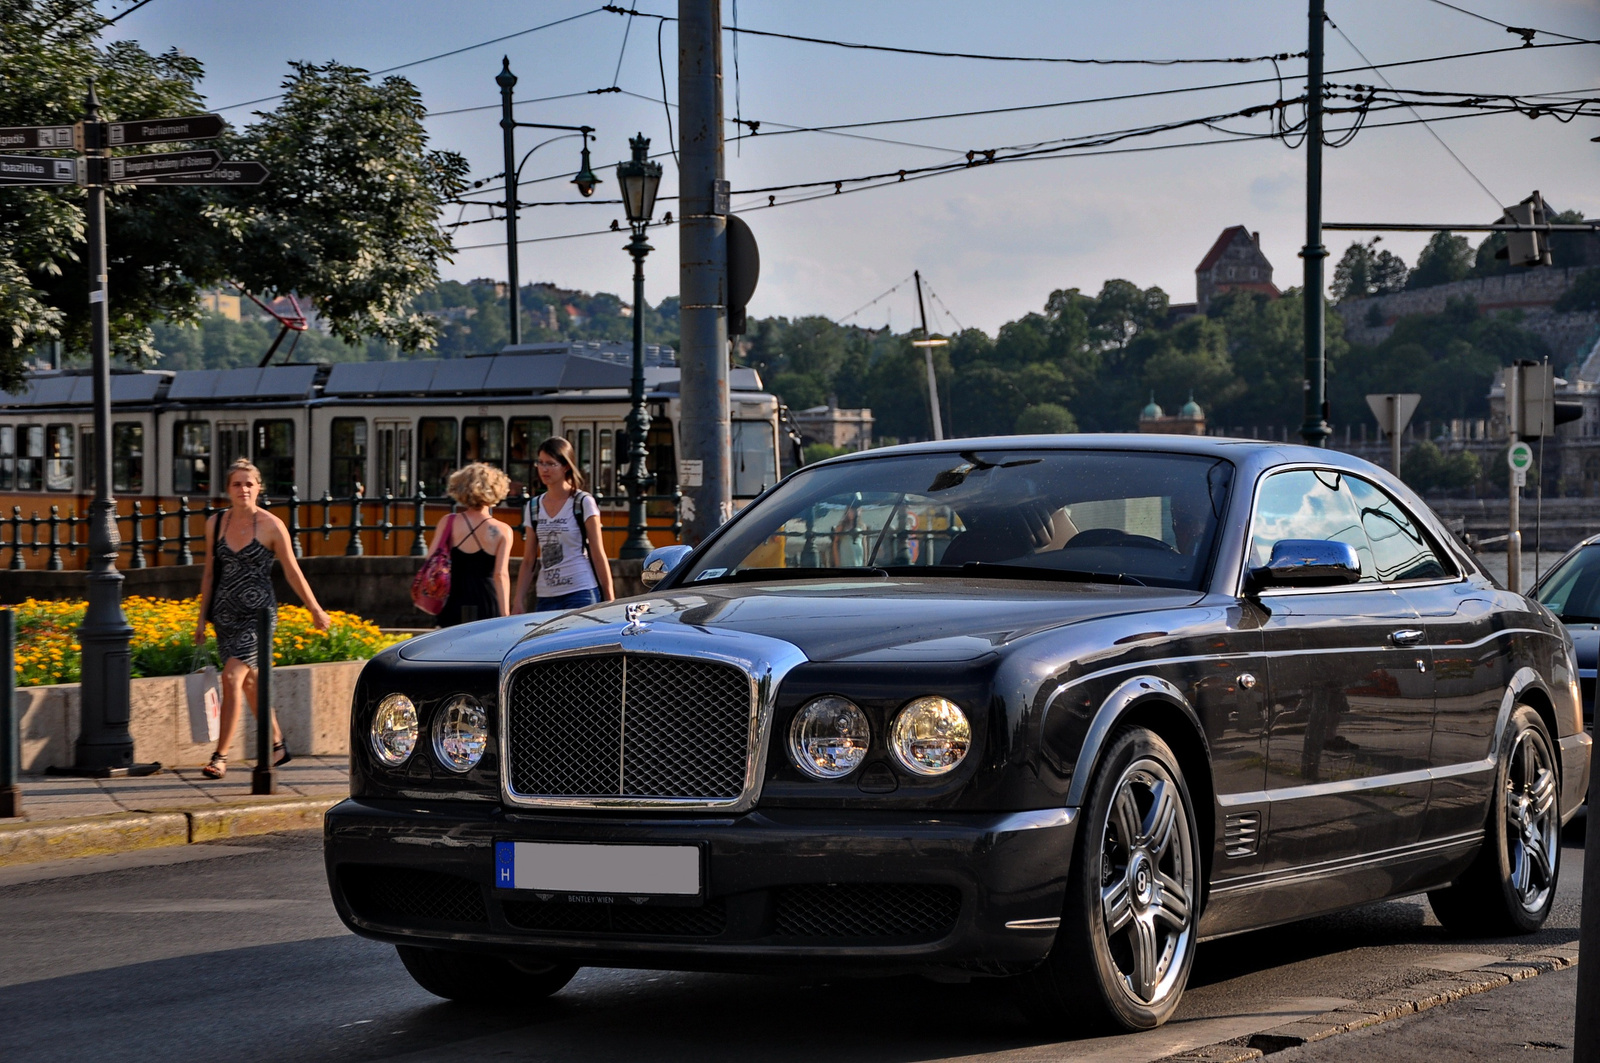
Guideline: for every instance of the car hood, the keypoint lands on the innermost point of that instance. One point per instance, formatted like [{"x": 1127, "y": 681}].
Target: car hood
[{"x": 884, "y": 620}]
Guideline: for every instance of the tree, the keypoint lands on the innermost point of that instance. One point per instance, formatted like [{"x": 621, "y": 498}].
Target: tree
[
  {"x": 1446, "y": 258},
  {"x": 1583, "y": 295},
  {"x": 1046, "y": 419},
  {"x": 347, "y": 219},
  {"x": 1365, "y": 271}
]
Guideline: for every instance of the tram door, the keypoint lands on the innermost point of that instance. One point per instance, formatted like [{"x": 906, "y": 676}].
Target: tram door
[
  {"x": 595, "y": 444},
  {"x": 233, "y": 442},
  {"x": 394, "y": 458}
]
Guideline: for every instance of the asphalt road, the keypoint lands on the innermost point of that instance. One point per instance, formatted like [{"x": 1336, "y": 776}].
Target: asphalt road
[{"x": 233, "y": 952}]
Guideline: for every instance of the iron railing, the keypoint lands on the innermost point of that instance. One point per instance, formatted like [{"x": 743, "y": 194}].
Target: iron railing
[{"x": 160, "y": 534}]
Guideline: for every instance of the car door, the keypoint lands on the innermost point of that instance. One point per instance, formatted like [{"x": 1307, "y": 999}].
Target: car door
[
  {"x": 1350, "y": 702},
  {"x": 1472, "y": 663}
]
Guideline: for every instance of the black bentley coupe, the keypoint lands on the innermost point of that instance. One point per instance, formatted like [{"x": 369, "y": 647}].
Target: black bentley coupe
[{"x": 1051, "y": 709}]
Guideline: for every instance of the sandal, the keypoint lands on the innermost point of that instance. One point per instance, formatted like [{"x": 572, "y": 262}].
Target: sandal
[
  {"x": 281, "y": 754},
  {"x": 217, "y": 768}
]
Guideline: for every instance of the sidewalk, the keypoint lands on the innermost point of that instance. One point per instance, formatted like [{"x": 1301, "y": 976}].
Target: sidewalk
[{"x": 64, "y": 817}]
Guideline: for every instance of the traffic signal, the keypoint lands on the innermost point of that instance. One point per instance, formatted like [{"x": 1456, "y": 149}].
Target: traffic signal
[
  {"x": 1527, "y": 247},
  {"x": 1540, "y": 412}
]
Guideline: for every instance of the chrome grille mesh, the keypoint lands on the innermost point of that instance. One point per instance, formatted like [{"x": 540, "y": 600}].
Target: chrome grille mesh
[{"x": 628, "y": 726}]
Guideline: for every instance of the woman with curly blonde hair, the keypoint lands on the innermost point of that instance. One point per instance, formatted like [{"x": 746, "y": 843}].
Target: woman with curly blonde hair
[{"x": 480, "y": 547}]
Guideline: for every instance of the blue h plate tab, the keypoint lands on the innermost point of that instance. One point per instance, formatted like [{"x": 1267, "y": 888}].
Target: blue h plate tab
[{"x": 505, "y": 865}]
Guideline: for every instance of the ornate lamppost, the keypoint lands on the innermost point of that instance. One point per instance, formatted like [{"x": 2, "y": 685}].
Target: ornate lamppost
[{"x": 640, "y": 178}]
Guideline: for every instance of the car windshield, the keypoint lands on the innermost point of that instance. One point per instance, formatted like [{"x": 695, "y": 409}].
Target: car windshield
[
  {"x": 1572, "y": 590},
  {"x": 1135, "y": 517}
]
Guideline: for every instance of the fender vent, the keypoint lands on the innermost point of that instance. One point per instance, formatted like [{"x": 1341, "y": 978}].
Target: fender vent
[{"x": 1241, "y": 834}]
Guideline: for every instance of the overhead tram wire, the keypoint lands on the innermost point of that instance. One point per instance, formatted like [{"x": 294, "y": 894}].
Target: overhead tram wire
[
  {"x": 877, "y": 299},
  {"x": 1527, "y": 33},
  {"x": 1431, "y": 131},
  {"x": 745, "y": 31},
  {"x": 441, "y": 55}
]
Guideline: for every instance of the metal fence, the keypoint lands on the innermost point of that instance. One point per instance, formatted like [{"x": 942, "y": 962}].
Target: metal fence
[{"x": 159, "y": 534}]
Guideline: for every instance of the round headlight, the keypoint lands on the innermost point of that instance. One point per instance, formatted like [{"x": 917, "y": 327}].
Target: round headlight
[
  {"x": 394, "y": 730},
  {"x": 460, "y": 733},
  {"x": 829, "y": 737},
  {"x": 930, "y": 736}
]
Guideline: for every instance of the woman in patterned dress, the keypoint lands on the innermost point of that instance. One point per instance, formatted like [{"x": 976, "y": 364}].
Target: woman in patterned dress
[{"x": 241, "y": 543}]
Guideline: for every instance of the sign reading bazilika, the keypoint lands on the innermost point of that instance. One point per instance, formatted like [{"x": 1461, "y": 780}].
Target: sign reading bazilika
[{"x": 34, "y": 170}]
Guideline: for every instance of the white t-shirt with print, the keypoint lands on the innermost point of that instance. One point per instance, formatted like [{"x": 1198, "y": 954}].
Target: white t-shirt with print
[{"x": 563, "y": 566}]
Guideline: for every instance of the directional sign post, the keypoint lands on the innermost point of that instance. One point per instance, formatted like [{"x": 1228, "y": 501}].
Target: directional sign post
[
  {"x": 1393, "y": 413},
  {"x": 163, "y": 130},
  {"x": 136, "y": 167},
  {"x": 30, "y": 137},
  {"x": 37, "y": 170},
  {"x": 227, "y": 173}
]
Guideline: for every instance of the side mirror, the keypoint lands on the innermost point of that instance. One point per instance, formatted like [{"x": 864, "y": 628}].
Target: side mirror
[
  {"x": 660, "y": 562},
  {"x": 1307, "y": 563}
]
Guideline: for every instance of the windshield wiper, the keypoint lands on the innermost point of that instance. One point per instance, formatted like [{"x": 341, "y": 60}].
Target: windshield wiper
[
  {"x": 1003, "y": 571},
  {"x": 753, "y": 575}
]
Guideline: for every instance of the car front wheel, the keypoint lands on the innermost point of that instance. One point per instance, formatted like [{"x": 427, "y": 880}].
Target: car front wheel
[
  {"x": 1511, "y": 886},
  {"x": 474, "y": 978},
  {"x": 1127, "y": 937}
]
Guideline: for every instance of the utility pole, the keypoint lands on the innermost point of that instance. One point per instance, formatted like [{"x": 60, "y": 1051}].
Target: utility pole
[
  {"x": 927, "y": 344},
  {"x": 1513, "y": 389},
  {"x": 105, "y": 745},
  {"x": 1314, "y": 430},
  {"x": 508, "y": 126},
  {"x": 706, "y": 470}
]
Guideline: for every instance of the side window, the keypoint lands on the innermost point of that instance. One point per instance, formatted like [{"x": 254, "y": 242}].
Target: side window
[
  {"x": 8, "y": 457},
  {"x": 436, "y": 453},
  {"x": 1400, "y": 550},
  {"x": 1307, "y": 504},
  {"x": 59, "y": 457},
  {"x": 191, "y": 459},
  {"x": 127, "y": 457},
  {"x": 347, "y": 464},
  {"x": 274, "y": 456},
  {"x": 522, "y": 439},
  {"x": 30, "y": 462}
]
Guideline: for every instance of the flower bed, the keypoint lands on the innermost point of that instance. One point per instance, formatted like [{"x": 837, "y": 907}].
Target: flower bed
[{"x": 163, "y": 638}]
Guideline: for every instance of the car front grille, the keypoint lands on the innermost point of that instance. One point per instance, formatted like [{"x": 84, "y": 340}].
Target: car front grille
[
  {"x": 628, "y": 726},
  {"x": 400, "y": 894},
  {"x": 707, "y": 920},
  {"x": 866, "y": 910}
]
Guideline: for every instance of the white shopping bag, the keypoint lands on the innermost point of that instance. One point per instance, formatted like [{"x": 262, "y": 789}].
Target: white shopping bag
[{"x": 204, "y": 694}]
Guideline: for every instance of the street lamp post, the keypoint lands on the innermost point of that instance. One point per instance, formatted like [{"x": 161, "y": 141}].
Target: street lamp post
[
  {"x": 640, "y": 178},
  {"x": 585, "y": 180}
]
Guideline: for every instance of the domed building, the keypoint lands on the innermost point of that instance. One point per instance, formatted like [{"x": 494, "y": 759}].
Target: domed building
[{"x": 1189, "y": 421}]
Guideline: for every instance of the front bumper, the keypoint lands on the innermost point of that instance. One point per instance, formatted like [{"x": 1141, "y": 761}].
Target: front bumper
[{"x": 881, "y": 890}]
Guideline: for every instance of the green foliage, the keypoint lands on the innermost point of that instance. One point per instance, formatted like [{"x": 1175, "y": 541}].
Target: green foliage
[
  {"x": 347, "y": 218},
  {"x": 1365, "y": 271},
  {"x": 1046, "y": 419},
  {"x": 1583, "y": 295},
  {"x": 815, "y": 452},
  {"x": 1500, "y": 472},
  {"x": 1426, "y": 468},
  {"x": 1447, "y": 257}
]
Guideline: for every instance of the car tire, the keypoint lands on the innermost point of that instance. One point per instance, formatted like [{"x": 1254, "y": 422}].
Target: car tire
[
  {"x": 1127, "y": 938},
  {"x": 477, "y": 978},
  {"x": 1511, "y": 886}
]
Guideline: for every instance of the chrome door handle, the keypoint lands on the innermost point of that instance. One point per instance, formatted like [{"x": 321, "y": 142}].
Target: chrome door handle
[{"x": 1406, "y": 636}]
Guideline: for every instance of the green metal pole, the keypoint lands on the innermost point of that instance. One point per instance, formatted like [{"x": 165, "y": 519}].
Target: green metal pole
[
  {"x": 10, "y": 731},
  {"x": 639, "y": 478},
  {"x": 1314, "y": 430},
  {"x": 508, "y": 125}
]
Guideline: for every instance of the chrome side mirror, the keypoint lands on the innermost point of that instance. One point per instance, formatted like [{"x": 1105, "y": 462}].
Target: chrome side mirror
[
  {"x": 1307, "y": 563},
  {"x": 660, "y": 562}
]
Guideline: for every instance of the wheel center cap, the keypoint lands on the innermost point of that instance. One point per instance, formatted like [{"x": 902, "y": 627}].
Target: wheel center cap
[{"x": 1142, "y": 878}]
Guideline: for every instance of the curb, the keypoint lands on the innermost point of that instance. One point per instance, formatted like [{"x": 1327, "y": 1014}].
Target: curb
[
  {"x": 101, "y": 835},
  {"x": 1411, "y": 1000}
]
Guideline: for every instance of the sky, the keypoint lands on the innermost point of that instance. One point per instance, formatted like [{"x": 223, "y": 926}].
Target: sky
[{"x": 991, "y": 242}]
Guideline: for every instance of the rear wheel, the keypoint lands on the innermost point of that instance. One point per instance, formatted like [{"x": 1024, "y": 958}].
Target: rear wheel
[
  {"x": 1510, "y": 887},
  {"x": 474, "y": 978},
  {"x": 1127, "y": 939}
]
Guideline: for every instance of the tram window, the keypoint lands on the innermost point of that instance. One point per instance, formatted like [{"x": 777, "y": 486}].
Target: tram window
[
  {"x": 606, "y": 484},
  {"x": 233, "y": 443},
  {"x": 394, "y": 458},
  {"x": 191, "y": 458},
  {"x": 483, "y": 439},
  {"x": 127, "y": 457},
  {"x": 755, "y": 457},
  {"x": 582, "y": 440},
  {"x": 274, "y": 456},
  {"x": 436, "y": 452},
  {"x": 30, "y": 459},
  {"x": 8, "y": 457},
  {"x": 59, "y": 440},
  {"x": 348, "y": 467},
  {"x": 523, "y": 437},
  {"x": 662, "y": 464}
]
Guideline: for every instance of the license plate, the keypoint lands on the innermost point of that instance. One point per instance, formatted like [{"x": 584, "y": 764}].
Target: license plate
[{"x": 598, "y": 870}]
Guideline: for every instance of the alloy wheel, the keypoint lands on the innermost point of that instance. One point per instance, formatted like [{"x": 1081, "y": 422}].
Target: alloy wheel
[{"x": 1533, "y": 827}]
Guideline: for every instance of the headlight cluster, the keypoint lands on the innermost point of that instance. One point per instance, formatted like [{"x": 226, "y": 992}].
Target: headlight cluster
[
  {"x": 460, "y": 732},
  {"x": 830, "y": 736}
]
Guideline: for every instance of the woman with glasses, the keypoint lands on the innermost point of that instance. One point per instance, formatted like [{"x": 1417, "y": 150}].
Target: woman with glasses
[{"x": 562, "y": 531}]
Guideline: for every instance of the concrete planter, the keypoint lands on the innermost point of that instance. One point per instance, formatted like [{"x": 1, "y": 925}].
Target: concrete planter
[{"x": 312, "y": 702}]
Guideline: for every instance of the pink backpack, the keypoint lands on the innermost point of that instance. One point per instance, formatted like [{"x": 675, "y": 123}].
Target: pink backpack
[{"x": 431, "y": 586}]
